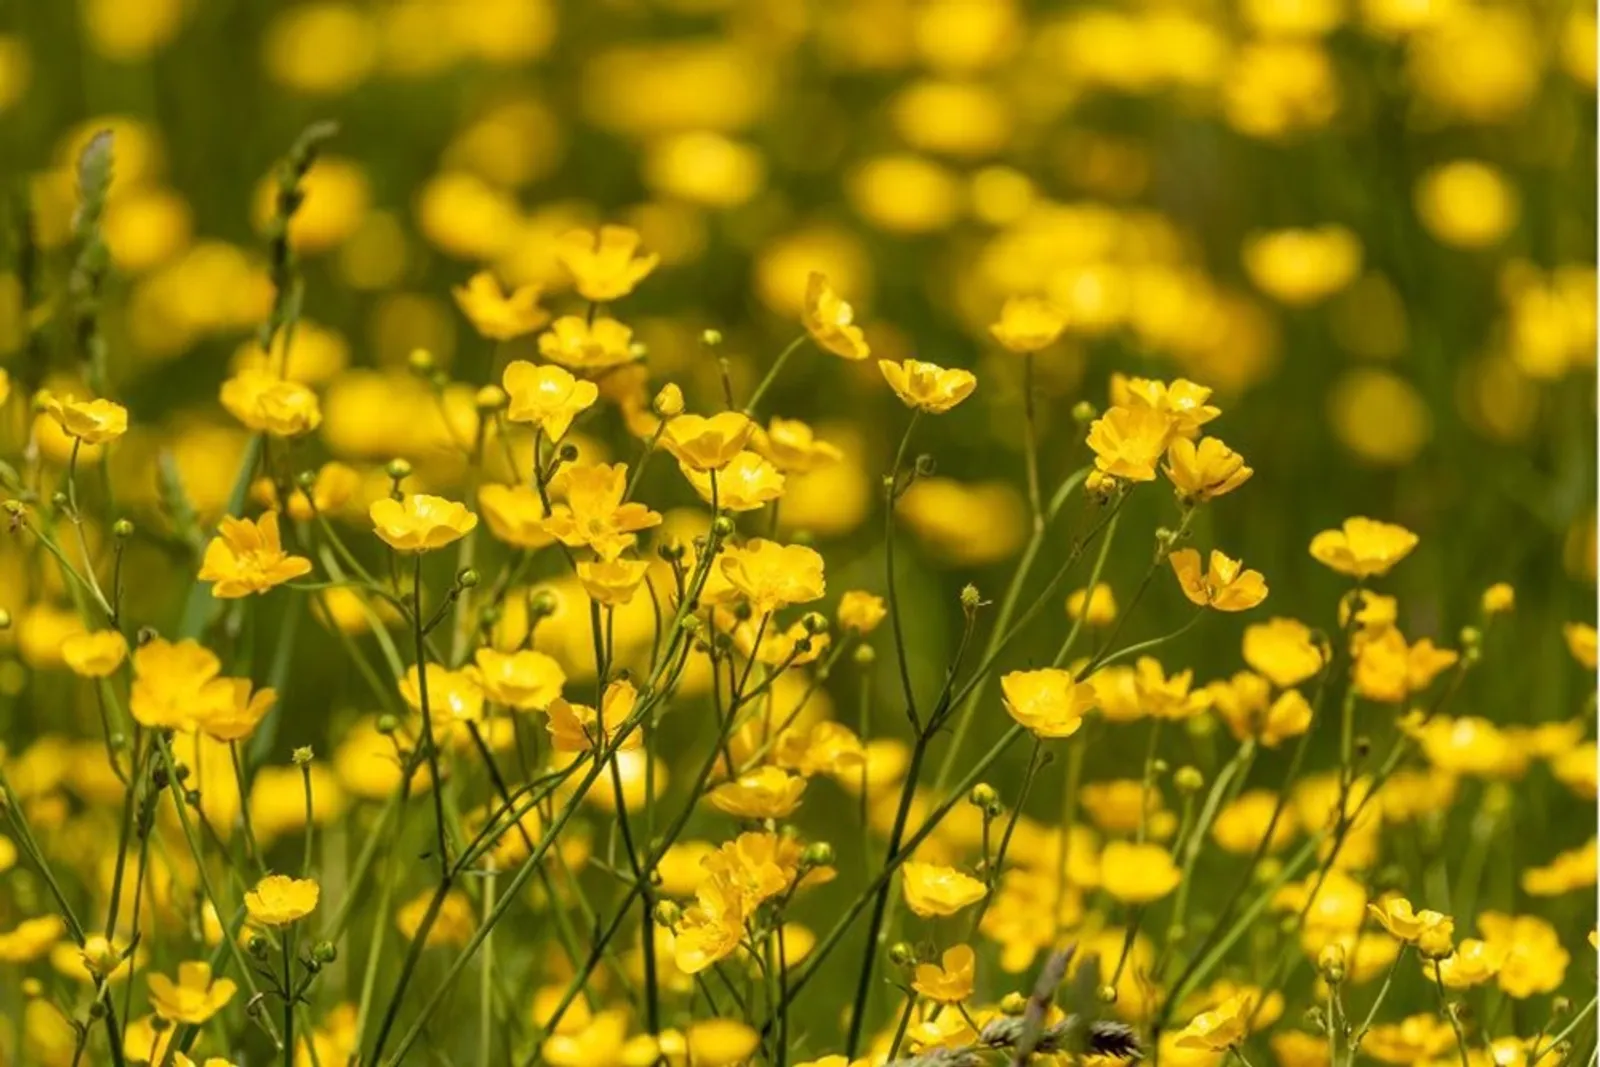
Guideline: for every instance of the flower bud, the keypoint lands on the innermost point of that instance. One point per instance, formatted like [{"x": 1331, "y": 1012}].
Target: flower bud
[
  {"x": 122, "y": 528},
  {"x": 969, "y": 597},
  {"x": 711, "y": 338},
  {"x": 490, "y": 399},
  {"x": 387, "y": 724},
  {"x": 258, "y": 946},
  {"x": 420, "y": 361},
  {"x": 1189, "y": 779},
  {"x": 324, "y": 952},
  {"x": 1013, "y": 1004},
  {"x": 1106, "y": 994},
  {"x": 542, "y": 604},
  {"x": 301, "y": 756},
  {"x": 722, "y": 527},
  {"x": 667, "y": 913},
  {"x": 983, "y": 796},
  {"x": 668, "y": 402},
  {"x": 467, "y": 579},
  {"x": 814, "y": 622},
  {"x": 865, "y": 656},
  {"x": 926, "y": 467},
  {"x": 817, "y": 854},
  {"x": 398, "y": 470},
  {"x": 902, "y": 954},
  {"x": 568, "y": 453},
  {"x": 1084, "y": 412},
  {"x": 32, "y": 988}
]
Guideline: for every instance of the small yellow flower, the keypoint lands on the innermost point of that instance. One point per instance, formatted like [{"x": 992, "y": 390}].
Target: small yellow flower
[
  {"x": 579, "y": 728},
  {"x": 30, "y": 939},
  {"x": 748, "y": 482},
  {"x": 765, "y": 793},
  {"x": 935, "y": 891},
  {"x": 1534, "y": 961},
  {"x": 1097, "y": 606},
  {"x": 612, "y": 582},
  {"x": 831, "y": 322},
  {"x": 1363, "y": 548},
  {"x": 1242, "y": 823},
  {"x": 94, "y": 422},
  {"x": 1222, "y": 1028},
  {"x": 772, "y": 576},
  {"x": 1183, "y": 403},
  {"x": 594, "y": 515},
  {"x": 499, "y": 315},
  {"x": 1205, "y": 471},
  {"x": 1224, "y": 586},
  {"x": 794, "y": 448},
  {"x": 525, "y": 679},
  {"x": 194, "y": 997},
  {"x": 420, "y": 523},
  {"x": 1583, "y": 643},
  {"x": 1127, "y": 442},
  {"x": 456, "y": 695},
  {"x": 927, "y": 386},
  {"x": 707, "y": 444},
  {"x": 453, "y": 925},
  {"x": 248, "y": 557},
  {"x": 1571, "y": 870},
  {"x": 720, "y": 1042},
  {"x": 96, "y": 654},
  {"x": 1050, "y": 702},
  {"x": 861, "y": 612},
  {"x": 168, "y": 681},
  {"x": 1282, "y": 649},
  {"x": 1472, "y": 963},
  {"x": 1137, "y": 874},
  {"x": 229, "y": 711},
  {"x": 949, "y": 982},
  {"x": 1028, "y": 324},
  {"x": 1498, "y": 599},
  {"x": 1166, "y": 696},
  {"x": 578, "y": 344},
  {"x": 278, "y": 900},
  {"x": 605, "y": 265},
  {"x": 515, "y": 514},
  {"x": 268, "y": 404},
  {"x": 1430, "y": 931},
  {"x": 549, "y": 397}
]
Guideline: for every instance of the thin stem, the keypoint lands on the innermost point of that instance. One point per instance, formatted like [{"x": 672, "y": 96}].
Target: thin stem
[{"x": 772, "y": 375}]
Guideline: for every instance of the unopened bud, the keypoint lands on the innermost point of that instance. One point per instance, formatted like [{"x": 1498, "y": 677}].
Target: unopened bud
[
  {"x": 711, "y": 338},
  {"x": 865, "y": 656},
  {"x": 398, "y": 470},
  {"x": 667, "y": 913},
  {"x": 983, "y": 796},
  {"x": 1189, "y": 779},
  {"x": 542, "y": 604},
  {"x": 668, "y": 402},
  {"x": 969, "y": 597},
  {"x": 420, "y": 361},
  {"x": 722, "y": 527},
  {"x": 387, "y": 724},
  {"x": 122, "y": 528},
  {"x": 901, "y": 954},
  {"x": 301, "y": 756},
  {"x": 489, "y": 399},
  {"x": 1106, "y": 994},
  {"x": 817, "y": 854},
  {"x": 467, "y": 579},
  {"x": 324, "y": 952},
  {"x": 1013, "y": 1004},
  {"x": 1084, "y": 412},
  {"x": 814, "y": 622}
]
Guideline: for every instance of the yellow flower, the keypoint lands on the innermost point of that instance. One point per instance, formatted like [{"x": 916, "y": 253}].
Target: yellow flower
[
  {"x": 547, "y": 396},
  {"x": 935, "y": 891},
  {"x": 951, "y": 982},
  {"x": 1128, "y": 442},
  {"x": 765, "y": 793},
  {"x": 707, "y": 444},
  {"x": 612, "y": 582},
  {"x": 168, "y": 680},
  {"x": 1243, "y": 703},
  {"x": 1414, "y": 1039},
  {"x": 229, "y": 711},
  {"x": 594, "y": 515},
  {"x": 1050, "y": 702},
  {"x": 94, "y": 422},
  {"x": 1242, "y": 823},
  {"x": 1223, "y": 1027},
  {"x": 1431, "y": 931},
  {"x": 1097, "y": 606},
  {"x": 771, "y": 576},
  {"x": 94, "y": 655},
  {"x": 793, "y": 447},
  {"x": 927, "y": 386},
  {"x": 1204, "y": 471},
  {"x": 194, "y": 997},
  {"x": 515, "y": 514},
  {"x": 1225, "y": 586},
  {"x": 420, "y": 523},
  {"x": 456, "y": 695},
  {"x": 746, "y": 483},
  {"x": 1466, "y": 203},
  {"x": 278, "y": 900},
  {"x": 525, "y": 679},
  {"x": 1498, "y": 599},
  {"x": 1363, "y": 548},
  {"x": 1282, "y": 649},
  {"x": 1534, "y": 960},
  {"x": 1028, "y": 324},
  {"x": 579, "y": 344},
  {"x": 861, "y": 612},
  {"x": 605, "y": 266},
  {"x": 1570, "y": 870},
  {"x": 30, "y": 939},
  {"x": 1137, "y": 874},
  {"x": 1583, "y": 643},
  {"x": 579, "y": 728},
  {"x": 1300, "y": 267},
  {"x": 498, "y": 315},
  {"x": 1472, "y": 963},
  {"x": 1165, "y": 696},
  {"x": 452, "y": 926},
  {"x": 248, "y": 557},
  {"x": 830, "y": 321},
  {"x": 720, "y": 1042},
  {"x": 268, "y": 404},
  {"x": 711, "y": 928}
]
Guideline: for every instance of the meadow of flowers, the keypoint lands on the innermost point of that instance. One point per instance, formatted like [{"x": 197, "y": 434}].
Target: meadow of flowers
[{"x": 801, "y": 534}]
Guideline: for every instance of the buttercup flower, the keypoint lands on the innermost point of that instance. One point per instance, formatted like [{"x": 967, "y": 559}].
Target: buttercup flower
[
  {"x": 594, "y": 515},
  {"x": 454, "y": 695},
  {"x": 549, "y": 397},
  {"x": 30, "y": 938},
  {"x": 1472, "y": 963},
  {"x": 96, "y": 654},
  {"x": 499, "y": 315},
  {"x": 1128, "y": 442},
  {"x": 772, "y": 576},
  {"x": 707, "y": 444},
  {"x": 1534, "y": 961},
  {"x": 1583, "y": 643},
  {"x": 269, "y": 404},
  {"x": 231, "y": 711},
  {"x": 1571, "y": 870},
  {"x": 515, "y": 514},
  {"x": 927, "y": 386},
  {"x": 605, "y": 266},
  {"x": 747, "y": 482},
  {"x": 831, "y": 322},
  {"x": 861, "y": 612},
  {"x": 1224, "y": 586},
  {"x": 766, "y": 793},
  {"x": 935, "y": 891},
  {"x": 1097, "y": 606},
  {"x": 168, "y": 680},
  {"x": 1363, "y": 548},
  {"x": 420, "y": 523},
  {"x": 578, "y": 727},
  {"x": 793, "y": 447},
  {"x": 278, "y": 900},
  {"x": 525, "y": 679},
  {"x": 1137, "y": 874},
  {"x": 1050, "y": 702},
  {"x": 94, "y": 422},
  {"x": 1431, "y": 931},
  {"x": 248, "y": 557},
  {"x": 1028, "y": 324},
  {"x": 1283, "y": 650},
  {"x": 949, "y": 982},
  {"x": 578, "y": 344},
  {"x": 194, "y": 997},
  {"x": 1222, "y": 1028},
  {"x": 612, "y": 582},
  {"x": 1205, "y": 471}
]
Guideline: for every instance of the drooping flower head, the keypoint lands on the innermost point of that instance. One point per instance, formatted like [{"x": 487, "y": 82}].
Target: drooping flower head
[{"x": 831, "y": 322}]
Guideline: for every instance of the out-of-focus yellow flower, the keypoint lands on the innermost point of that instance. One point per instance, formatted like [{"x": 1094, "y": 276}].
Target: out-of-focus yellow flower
[
  {"x": 1050, "y": 702},
  {"x": 549, "y": 397},
  {"x": 1204, "y": 471},
  {"x": 612, "y": 582},
  {"x": 130, "y": 33},
  {"x": 1583, "y": 642},
  {"x": 1096, "y": 606},
  {"x": 1245, "y": 703},
  {"x": 904, "y": 194},
  {"x": 30, "y": 939},
  {"x": 453, "y": 925},
  {"x": 1128, "y": 441},
  {"x": 1242, "y": 823},
  {"x": 861, "y": 612},
  {"x": 606, "y": 265},
  {"x": 269, "y": 404},
  {"x": 1476, "y": 63},
  {"x": 1414, "y": 1039},
  {"x": 1534, "y": 960},
  {"x": 168, "y": 680},
  {"x": 1303, "y": 266},
  {"x": 1466, "y": 203},
  {"x": 935, "y": 891},
  {"x": 949, "y": 981},
  {"x": 231, "y": 711},
  {"x": 579, "y": 728},
  {"x": 278, "y": 900},
  {"x": 704, "y": 167},
  {"x": 594, "y": 515},
  {"x": 194, "y": 997},
  {"x": 793, "y": 447},
  {"x": 497, "y": 314},
  {"x": 1472, "y": 963},
  {"x": 1570, "y": 870},
  {"x": 1276, "y": 88},
  {"x": 1470, "y": 745},
  {"x": 1222, "y": 1028},
  {"x": 515, "y": 514},
  {"x": 1137, "y": 874},
  {"x": 16, "y": 70},
  {"x": 525, "y": 680},
  {"x": 770, "y": 576},
  {"x": 765, "y": 793},
  {"x": 1283, "y": 650},
  {"x": 1363, "y": 548},
  {"x": 96, "y": 654},
  {"x": 94, "y": 422},
  {"x": 1296, "y": 1048},
  {"x": 928, "y": 386},
  {"x": 1379, "y": 416},
  {"x": 248, "y": 557},
  {"x": 707, "y": 444},
  {"x": 1225, "y": 585},
  {"x": 746, "y": 483},
  {"x": 720, "y": 1042},
  {"x": 420, "y": 523},
  {"x": 324, "y": 48},
  {"x": 1498, "y": 599},
  {"x": 1028, "y": 324},
  {"x": 1389, "y": 670},
  {"x": 831, "y": 321},
  {"x": 579, "y": 344}
]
